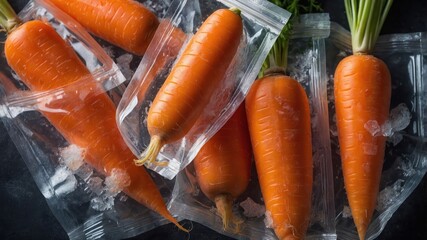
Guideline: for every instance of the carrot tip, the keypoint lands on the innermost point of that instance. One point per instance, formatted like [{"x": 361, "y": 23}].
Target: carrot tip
[{"x": 150, "y": 154}]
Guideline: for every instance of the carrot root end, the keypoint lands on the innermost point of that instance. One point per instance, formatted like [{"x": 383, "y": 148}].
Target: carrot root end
[
  {"x": 224, "y": 204},
  {"x": 150, "y": 154}
]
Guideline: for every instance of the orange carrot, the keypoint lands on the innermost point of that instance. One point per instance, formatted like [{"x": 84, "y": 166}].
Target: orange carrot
[
  {"x": 192, "y": 81},
  {"x": 279, "y": 122},
  {"x": 223, "y": 165},
  {"x": 362, "y": 88},
  {"x": 125, "y": 23},
  {"x": 44, "y": 61},
  {"x": 279, "y": 125}
]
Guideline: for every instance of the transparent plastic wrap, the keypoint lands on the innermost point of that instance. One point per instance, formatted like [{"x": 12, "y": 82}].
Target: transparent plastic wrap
[
  {"x": 405, "y": 160},
  {"x": 262, "y": 22},
  {"x": 307, "y": 64},
  {"x": 76, "y": 170}
]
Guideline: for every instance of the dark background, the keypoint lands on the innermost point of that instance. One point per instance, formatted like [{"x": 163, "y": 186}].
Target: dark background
[{"x": 24, "y": 213}]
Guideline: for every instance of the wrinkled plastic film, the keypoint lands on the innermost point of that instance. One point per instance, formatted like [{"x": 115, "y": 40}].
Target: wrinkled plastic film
[
  {"x": 307, "y": 64},
  {"x": 405, "y": 161},
  {"x": 179, "y": 24}
]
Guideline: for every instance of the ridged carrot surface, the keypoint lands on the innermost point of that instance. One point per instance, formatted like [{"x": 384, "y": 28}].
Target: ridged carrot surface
[
  {"x": 223, "y": 165},
  {"x": 193, "y": 79},
  {"x": 44, "y": 61},
  {"x": 124, "y": 23},
  {"x": 279, "y": 124},
  {"x": 362, "y": 94},
  {"x": 362, "y": 88}
]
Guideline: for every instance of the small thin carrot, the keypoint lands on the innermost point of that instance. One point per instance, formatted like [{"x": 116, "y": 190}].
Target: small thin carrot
[
  {"x": 223, "y": 165},
  {"x": 279, "y": 122},
  {"x": 125, "y": 23},
  {"x": 44, "y": 61},
  {"x": 192, "y": 81},
  {"x": 362, "y": 88}
]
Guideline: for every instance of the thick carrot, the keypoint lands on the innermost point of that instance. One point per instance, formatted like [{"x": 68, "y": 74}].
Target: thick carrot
[
  {"x": 362, "y": 88},
  {"x": 279, "y": 124},
  {"x": 44, "y": 61},
  {"x": 125, "y": 23},
  {"x": 192, "y": 81},
  {"x": 223, "y": 165}
]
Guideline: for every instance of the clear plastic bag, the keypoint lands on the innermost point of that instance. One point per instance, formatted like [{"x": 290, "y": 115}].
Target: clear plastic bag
[
  {"x": 307, "y": 64},
  {"x": 262, "y": 21},
  {"x": 87, "y": 203},
  {"x": 405, "y": 161}
]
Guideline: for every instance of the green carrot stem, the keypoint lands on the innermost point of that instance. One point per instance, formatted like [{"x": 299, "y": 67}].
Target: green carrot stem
[
  {"x": 278, "y": 56},
  {"x": 366, "y": 18},
  {"x": 8, "y": 18}
]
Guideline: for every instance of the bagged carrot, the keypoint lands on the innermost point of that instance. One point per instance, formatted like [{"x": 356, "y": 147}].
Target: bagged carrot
[
  {"x": 306, "y": 58},
  {"x": 60, "y": 115},
  {"x": 402, "y": 166},
  {"x": 166, "y": 119}
]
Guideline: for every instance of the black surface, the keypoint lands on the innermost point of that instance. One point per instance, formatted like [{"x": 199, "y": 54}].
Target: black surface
[{"x": 25, "y": 214}]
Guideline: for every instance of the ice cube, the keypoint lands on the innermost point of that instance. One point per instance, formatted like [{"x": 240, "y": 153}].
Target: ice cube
[
  {"x": 102, "y": 203},
  {"x": 400, "y": 117},
  {"x": 373, "y": 127},
  {"x": 123, "y": 62}
]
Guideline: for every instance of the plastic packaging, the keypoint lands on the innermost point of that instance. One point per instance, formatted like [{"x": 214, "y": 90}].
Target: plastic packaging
[
  {"x": 307, "y": 64},
  {"x": 405, "y": 161},
  {"x": 87, "y": 204},
  {"x": 262, "y": 21}
]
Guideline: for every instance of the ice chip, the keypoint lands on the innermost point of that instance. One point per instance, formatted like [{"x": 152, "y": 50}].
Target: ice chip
[
  {"x": 346, "y": 212},
  {"x": 395, "y": 138},
  {"x": 372, "y": 127},
  {"x": 400, "y": 117},
  {"x": 67, "y": 186},
  {"x": 60, "y": 175},
  {"x": 84, "y": 172},
  {"x": 117, "y": 180},
  {"x": 387, "y": 129},
  {"x": 268, "y": 220},
  {"x": 72, "y": 156},
  {"x": 252, "y": 209},
  {"x": 388, "y": 195},
  {"x": 95, "y": 185},
  {"x": 123, "y": 62},
  {"x": 102, "y": 203}
]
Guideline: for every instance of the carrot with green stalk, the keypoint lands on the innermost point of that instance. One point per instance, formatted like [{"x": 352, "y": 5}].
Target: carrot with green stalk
[
  {"x": 278, "y": 114},
  {"x": 362, "y": 88},
  {"x": 44, "y": 61}
]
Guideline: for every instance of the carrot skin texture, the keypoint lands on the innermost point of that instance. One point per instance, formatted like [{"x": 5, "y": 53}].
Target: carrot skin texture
[
  {"x": 279, "y": 124},
  {"x": 194, "y": 78},
  {"x": 362, "y": 93},
  {"x": 223, "y": 164},
  {"x": 44, "y": 61},
  {"x": 125, "y": 23}
]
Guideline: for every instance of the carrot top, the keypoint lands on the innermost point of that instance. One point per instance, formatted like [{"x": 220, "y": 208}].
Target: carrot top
[
  {"x": 278, "y": 57},
  {"x": 8, "y": 18},
  {"x": 366, "y": 18}
]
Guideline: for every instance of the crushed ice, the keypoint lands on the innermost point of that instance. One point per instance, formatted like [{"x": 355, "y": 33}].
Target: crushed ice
[
  {"x": 388, "y": 195},
  {"x": 252, "y": 209}
]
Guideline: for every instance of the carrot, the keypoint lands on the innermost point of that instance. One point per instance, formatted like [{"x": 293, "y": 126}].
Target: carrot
[
  {"x": 279, "y": 123},
  {"x": 362, "y": 88},
  {"x": 125, "y": 23},
  {"x": 223, "y": 165},
  {"x": 192, "y": 81},
  {"x": 44, "y": 61}
]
